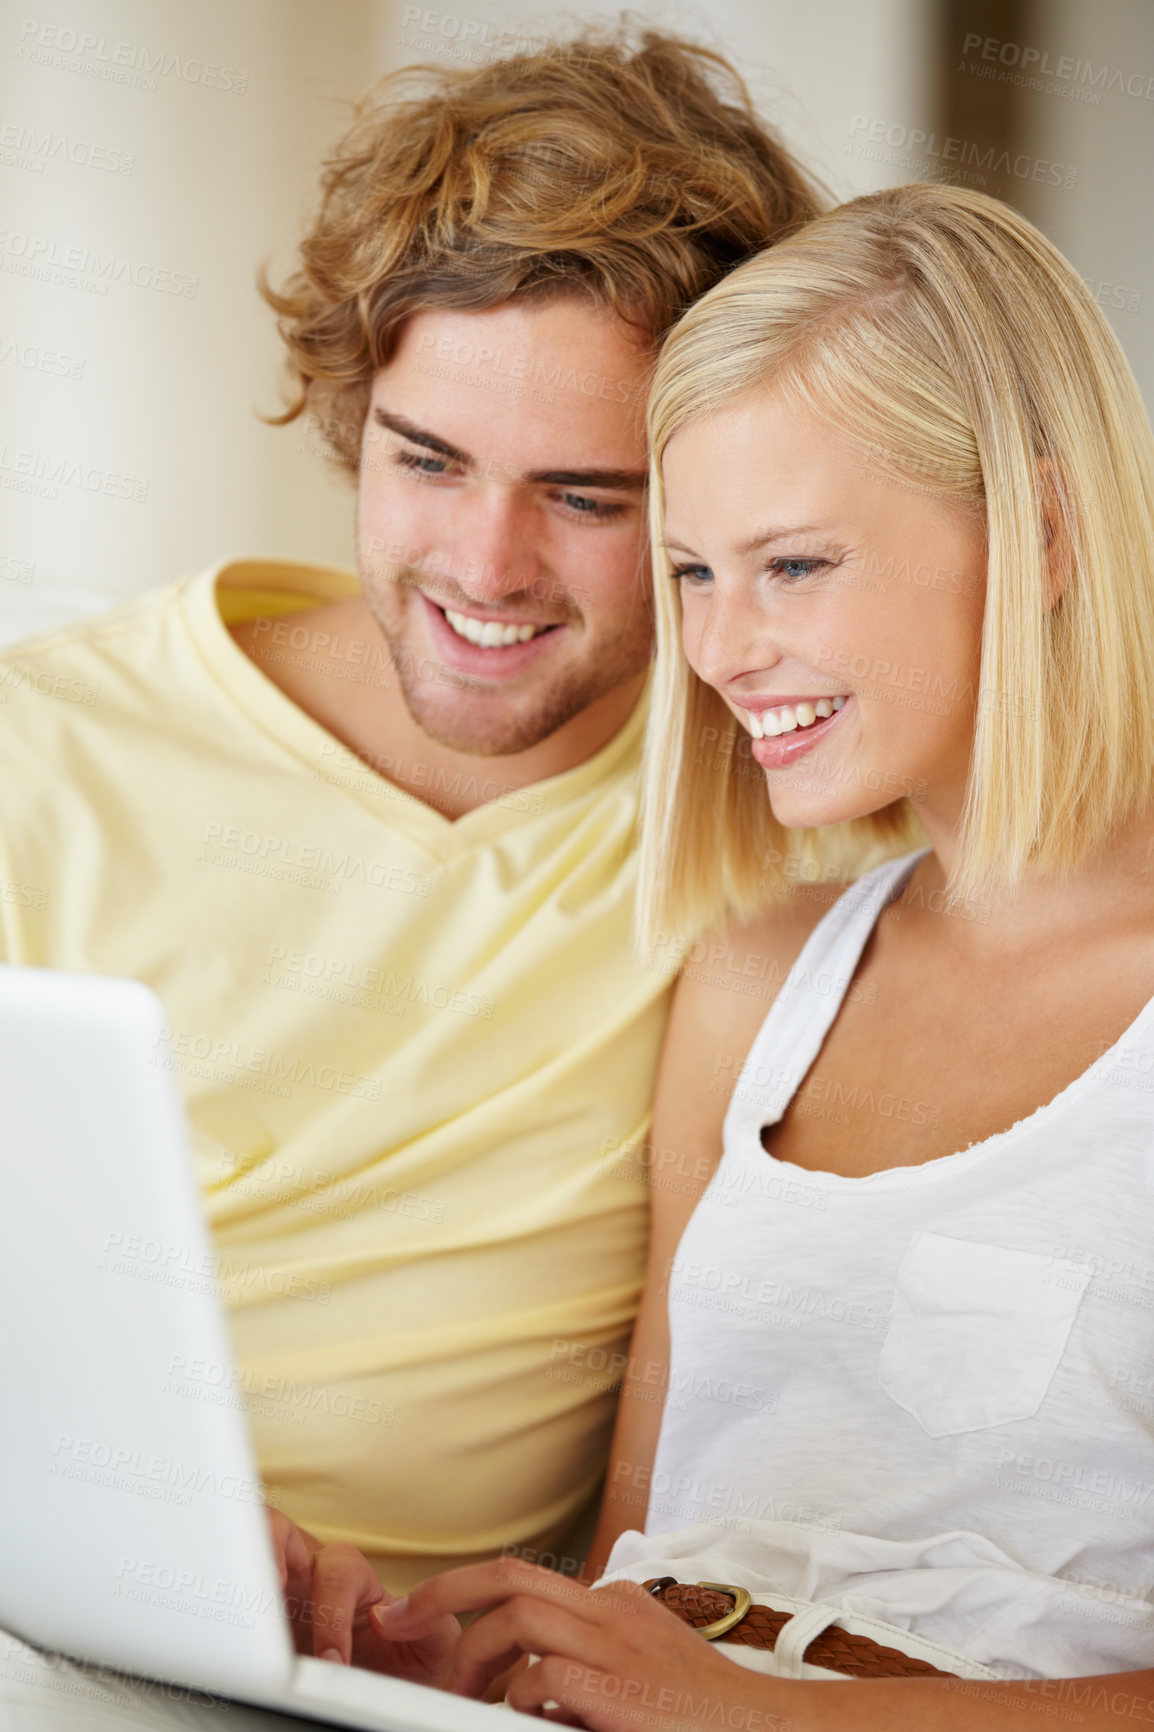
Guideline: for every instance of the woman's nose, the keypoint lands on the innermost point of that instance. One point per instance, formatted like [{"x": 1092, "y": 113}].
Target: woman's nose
[{"x": 726, "y": 635}]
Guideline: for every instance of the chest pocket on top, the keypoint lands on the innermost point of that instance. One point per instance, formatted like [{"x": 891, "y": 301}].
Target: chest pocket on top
[{"x": 977, "y": 1332}]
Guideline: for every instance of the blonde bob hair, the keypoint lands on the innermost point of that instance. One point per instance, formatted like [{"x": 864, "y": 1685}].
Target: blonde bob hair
[{"x": 942, "y": 334}]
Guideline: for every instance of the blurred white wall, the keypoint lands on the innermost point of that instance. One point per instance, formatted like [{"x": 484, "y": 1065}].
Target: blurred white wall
[
  {"x": 1098, "y": 118},
  {"x": 152, "y": 157}
]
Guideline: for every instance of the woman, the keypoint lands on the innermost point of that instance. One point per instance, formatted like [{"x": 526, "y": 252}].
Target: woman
[{"x": 909, "y": 547}]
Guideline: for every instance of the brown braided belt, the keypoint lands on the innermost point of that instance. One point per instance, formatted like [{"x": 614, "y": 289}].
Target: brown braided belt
[{"x": 716, "y": 1609}]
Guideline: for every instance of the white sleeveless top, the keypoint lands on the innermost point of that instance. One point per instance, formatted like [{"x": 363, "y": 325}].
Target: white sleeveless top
[{"x": 926, "y": 1395}]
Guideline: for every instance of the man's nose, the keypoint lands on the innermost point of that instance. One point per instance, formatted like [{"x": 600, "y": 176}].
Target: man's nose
[{"x": 492, "y": 552}]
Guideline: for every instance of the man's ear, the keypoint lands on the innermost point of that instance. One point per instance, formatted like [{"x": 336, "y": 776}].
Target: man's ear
[{"x": 1058, "y": 527}]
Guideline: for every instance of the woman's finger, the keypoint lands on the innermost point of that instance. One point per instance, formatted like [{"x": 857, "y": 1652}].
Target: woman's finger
[
  {"x": 293, "y": 1558},
  {"x": 478, "y": 1587},
  {"x": 583, "y": 1696},
  {"x": 294, "y": 1551},
  {"x": 604, "y": 1630},
  {"x": 342, "y": 1584},
  {"x": 427, "y": 1660},
  {"x": 499, "y": 1686},
  {"x": 523, "y": 1625}
]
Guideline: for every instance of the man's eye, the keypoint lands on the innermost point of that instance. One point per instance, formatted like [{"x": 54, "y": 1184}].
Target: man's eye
[
  {"x": 586, "y": 507},
  {"x": 424, "y": 465}
]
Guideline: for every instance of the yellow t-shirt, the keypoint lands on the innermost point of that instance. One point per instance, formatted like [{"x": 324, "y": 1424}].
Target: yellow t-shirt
[{"x": 411, "y": 1050}]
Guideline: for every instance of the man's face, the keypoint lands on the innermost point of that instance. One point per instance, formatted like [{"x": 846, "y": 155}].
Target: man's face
[{"x": 500, "y": 519}]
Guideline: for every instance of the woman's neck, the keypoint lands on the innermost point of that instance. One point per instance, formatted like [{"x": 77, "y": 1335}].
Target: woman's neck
[{"x": 1115, "y": 879}]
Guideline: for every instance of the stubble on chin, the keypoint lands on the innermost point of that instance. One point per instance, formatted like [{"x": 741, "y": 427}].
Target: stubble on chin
[{"x": 466, "y": 714}]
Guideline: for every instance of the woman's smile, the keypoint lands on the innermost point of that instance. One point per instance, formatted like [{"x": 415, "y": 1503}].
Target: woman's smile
[{"x": 784, "y": 732}]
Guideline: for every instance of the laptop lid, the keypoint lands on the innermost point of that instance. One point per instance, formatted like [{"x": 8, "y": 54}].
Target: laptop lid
[{"x": 132, "y": 1525}]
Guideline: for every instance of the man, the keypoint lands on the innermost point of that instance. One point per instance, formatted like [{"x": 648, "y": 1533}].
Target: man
[{"x": 371, "y": 839}]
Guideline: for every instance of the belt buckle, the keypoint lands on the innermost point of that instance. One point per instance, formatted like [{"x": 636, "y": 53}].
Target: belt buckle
[{"x": 741, "y": 1604}]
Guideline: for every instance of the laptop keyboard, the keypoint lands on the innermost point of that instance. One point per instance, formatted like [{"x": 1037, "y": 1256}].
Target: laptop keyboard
[{"x": 386, "y": 1704}]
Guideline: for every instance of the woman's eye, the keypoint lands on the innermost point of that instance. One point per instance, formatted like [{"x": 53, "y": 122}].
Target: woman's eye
[
  {"x": 694, "y": 573},
  {"x": 793, "y": 569}
]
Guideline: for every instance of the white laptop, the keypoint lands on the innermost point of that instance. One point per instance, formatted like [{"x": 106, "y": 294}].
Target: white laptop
[{"x": 132, "y": 1532}]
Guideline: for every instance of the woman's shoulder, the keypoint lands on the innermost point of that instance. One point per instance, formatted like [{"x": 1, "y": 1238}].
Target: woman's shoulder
[
  {"x": 730, "y": 979},
  {"x": 733, "y": 974}
]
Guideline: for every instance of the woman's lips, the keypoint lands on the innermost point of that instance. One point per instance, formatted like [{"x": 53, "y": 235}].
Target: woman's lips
[{"x": 775, "y": 754}]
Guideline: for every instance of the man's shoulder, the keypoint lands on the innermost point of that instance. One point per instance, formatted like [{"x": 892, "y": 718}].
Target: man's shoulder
[
  {"x": 61, "y": 688},
  {"x": 104, "y": 626},
  {"x": 229, "y": 589}
]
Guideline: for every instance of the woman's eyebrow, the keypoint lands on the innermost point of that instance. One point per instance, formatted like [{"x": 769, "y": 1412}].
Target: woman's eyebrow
[
  {"x": 764, "y": 537},
  {"x": 754, "y": 544}
]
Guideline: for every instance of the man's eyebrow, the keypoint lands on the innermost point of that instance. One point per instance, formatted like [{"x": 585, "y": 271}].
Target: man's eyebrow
[
  {"x": 418, "y": 436},
  {"x": 617, "y": 480}
]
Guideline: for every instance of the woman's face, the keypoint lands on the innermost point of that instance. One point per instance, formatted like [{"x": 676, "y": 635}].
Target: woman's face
[{"x": 837, "y": 612}]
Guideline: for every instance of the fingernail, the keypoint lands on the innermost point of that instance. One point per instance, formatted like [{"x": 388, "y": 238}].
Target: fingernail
[
  {"x": 389, "y": 1613},
  {"x": 333, "y": 1654}
]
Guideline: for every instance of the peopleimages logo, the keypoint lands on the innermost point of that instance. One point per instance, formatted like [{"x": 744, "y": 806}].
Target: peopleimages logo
[
  {"x": 48, "y": 473},
  {"x": 78, "y": 266},
  {"x": 518, "y": 366},
  {"x": 230, "y": 1060},
  {"x": 122, "y": 1467},
  {"x": 21, "y": 146},
  {"x": 35, "y": 359},
  {"x": 71, "y": 50},
  {"x": 1065, "y": 68},
  {"x": 927, "y": 148},
  {"x": 282, "y": 856}
]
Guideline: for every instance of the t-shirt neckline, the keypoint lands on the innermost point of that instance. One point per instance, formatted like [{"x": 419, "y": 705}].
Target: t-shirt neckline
[{"x": 327, "y": 758}]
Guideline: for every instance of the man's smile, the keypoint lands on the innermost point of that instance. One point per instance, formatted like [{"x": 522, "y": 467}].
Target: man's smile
[{"x": 475, "y": 644}]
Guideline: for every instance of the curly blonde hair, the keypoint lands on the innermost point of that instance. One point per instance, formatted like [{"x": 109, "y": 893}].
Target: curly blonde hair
[{"x": 635, "y": 173}]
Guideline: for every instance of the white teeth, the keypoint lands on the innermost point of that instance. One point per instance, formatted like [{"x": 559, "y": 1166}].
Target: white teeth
[
  {"x": 787, "y": 718},
  {"x": 489, "y": 633}
]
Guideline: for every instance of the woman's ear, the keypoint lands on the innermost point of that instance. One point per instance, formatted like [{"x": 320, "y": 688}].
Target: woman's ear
[{"x": 1058, "y": 527}]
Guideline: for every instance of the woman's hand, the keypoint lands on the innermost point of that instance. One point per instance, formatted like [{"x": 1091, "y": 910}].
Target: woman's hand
[
  {"x": 329, "y": 1593},
  {"x": 609, "y": 1657}
]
